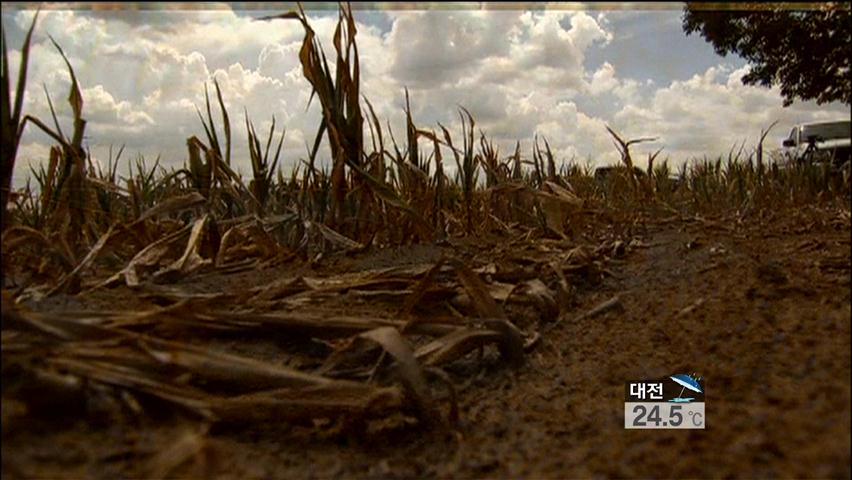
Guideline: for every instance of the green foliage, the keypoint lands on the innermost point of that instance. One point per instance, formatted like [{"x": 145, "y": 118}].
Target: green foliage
[{"x": 806, "y": 52}]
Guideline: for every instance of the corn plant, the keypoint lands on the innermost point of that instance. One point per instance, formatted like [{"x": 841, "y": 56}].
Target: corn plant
[
  {"x": 623, "y": 147},
  {"x": 467, "y": 165},
  {"x": 69, "y": 202},
  {"x": 262, "y": 169},
  {"x": 210, "y": 126},
  {"x": 11, "y": 122},
  {"x": 338, "y": 95}
]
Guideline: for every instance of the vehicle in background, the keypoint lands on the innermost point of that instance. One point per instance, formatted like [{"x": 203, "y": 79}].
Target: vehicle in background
[{"x": 822, "y": 142}]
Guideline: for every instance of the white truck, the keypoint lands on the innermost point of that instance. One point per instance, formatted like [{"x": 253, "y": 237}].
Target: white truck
[{"x": 822, "y": 142}]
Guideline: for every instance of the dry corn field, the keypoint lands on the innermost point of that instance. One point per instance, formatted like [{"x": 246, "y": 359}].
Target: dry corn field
[{"x": 449, "y": 313}]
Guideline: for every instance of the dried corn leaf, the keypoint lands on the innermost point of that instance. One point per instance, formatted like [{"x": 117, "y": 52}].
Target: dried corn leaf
[
  {"x": 511, "y": 342},
  {"x": 248, "y": 239},
  {"x": 484, "y": 304},
  {"x": 563, "y": 194},
  {"x": 135, "y": 379},
  {"x": 90, "y": 257},
  {"x": 454, "y": 345},
  {"x": 279, "y": 289},
  {"x": 379, "y": 295},
  {"x": 348, "y": 282},
  {"x": 409, "y": 370},
  {"x": 323, "y": 325},
  {"x": 220, "y": 367},
  {"x": 555, "y": 212},
  {"x": 191, "y": 260},
  {"x": 227, "y": 239},
  {"x": 147, "y": 259},
  {"x": 186, "y": 445},
  {"x": 409, "y": 272},
  {"x": 170, "y": 295},
  {"x": 330, "y": 401},
  {"x": 171, "y": 204},
  {"x": 59, "y": 328},
  {"x": 19, "y": 235},
  {"x": 333, "y": 238},
  {"x": 422, "y": 286},
  {"x": 115, "y": 363},
  {"x": 541, "y": 296},
  {"x": 462, "y": 341}
]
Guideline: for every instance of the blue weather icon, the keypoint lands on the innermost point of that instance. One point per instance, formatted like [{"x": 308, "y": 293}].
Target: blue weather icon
[{"x": 686, "y": 381}]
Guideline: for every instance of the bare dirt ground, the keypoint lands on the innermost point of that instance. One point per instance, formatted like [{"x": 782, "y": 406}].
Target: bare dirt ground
[{"x": 760, "y": 309}]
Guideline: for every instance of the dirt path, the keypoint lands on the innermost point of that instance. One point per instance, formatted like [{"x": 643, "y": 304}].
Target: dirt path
[{"x": 761, "y": 312}]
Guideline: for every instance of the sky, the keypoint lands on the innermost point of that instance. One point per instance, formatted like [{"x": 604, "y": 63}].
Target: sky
[{"x": 562, "y": 71}]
